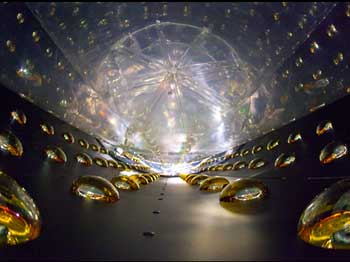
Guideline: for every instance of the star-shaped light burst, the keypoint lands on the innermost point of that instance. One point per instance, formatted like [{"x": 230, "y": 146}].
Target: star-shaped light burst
[{"x": 173, "y": 83}]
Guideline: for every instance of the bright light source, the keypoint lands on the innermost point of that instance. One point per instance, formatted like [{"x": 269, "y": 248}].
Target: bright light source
[
  {"x": 120, "y": 150},
  {"x": 113, "y": 121},
  {"x": 128, "y": 173},
  {"x": 217, "y": 115}
]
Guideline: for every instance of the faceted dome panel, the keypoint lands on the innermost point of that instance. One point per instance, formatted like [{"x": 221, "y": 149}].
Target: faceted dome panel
[
  {"x": 192, "y": 82},
  {"x": 174, "y": 76},
  {"x": 175, "y": 81}
]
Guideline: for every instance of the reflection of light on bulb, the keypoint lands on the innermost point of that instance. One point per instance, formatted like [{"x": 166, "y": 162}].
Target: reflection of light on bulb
[
  {"x": 221, "y": 128},
  {"x": 175, "y": 181},
  {"x": 137, "y": 139},
  {"x": 120, "y": 150},
  {"x": 177, "y": 169},
  {"x": 127, "y": 173},
  {"x": 172, "y": 105},
  {"x": 26, "y": 73},
  {"x": 171, "y": 122},
  {"x": 113, "y": 121},
  {"x": 22, "y": 72},
  {"x": 217, "y": 115},
  {"x": 182, "y": 137},
  {"x": 228, "y": 152},
  {"x": 173, "y": 142}
]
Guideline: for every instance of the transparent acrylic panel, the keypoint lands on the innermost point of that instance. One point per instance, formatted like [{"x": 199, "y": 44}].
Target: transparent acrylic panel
[{"x": 175, "y": 81}]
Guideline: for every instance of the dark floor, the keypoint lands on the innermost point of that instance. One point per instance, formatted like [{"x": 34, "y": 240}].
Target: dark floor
[{"x": 191, "y": 225}]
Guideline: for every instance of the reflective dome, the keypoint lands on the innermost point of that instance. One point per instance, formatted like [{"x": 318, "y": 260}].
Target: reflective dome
[{"x": 325, "y": 221}]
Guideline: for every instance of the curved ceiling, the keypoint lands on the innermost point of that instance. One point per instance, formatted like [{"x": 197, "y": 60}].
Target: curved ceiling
[{"x": 173, "y": 78}]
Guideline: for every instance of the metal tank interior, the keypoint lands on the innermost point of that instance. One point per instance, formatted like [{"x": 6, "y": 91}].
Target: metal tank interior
[{"x": 174, "y": 130}]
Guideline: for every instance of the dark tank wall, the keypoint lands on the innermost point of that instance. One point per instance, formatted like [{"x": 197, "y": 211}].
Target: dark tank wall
[{"x": 187, "y": 224}]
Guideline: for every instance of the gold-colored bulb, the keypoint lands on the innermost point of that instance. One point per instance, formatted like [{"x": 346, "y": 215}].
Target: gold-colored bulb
[
  {"x": 213, "y": 184},
  {"x": 240, "y": 165},
  {"x": 189, "y": 177},
  {"x": 112, "y": 163},
  {"x": 183, "y": 176},
  {"x": 244, "y": 196},
  {"x": 103, "y": 150},
  {"x": 56, "y": 154},
  {"x": 293, "y": 138},
  {"x": 140, "y": 179},
  {"x": 125, "y": 183},
  {"x": 19, "y": 217},
  {"x": 11, "y": 46},
  {"x": 314, "y": 47},
  {"x": 227, "y": 167},
  {"x": 19, "y": 117},
  {"x": 197, "y": 180},
  {"x": 273, "y": 144},
  {"x": 95, "y": 188},
  {"x": 256, "y": 149},
  {"x": 68, "y": 137},
  {"x": 9, "y": 143},
  {"x": 20, "y": 18},
  {"x": 324, "y": 127},
  {"x": 325, "y": 221},
  {"x": 94, "y": 147},
  {"x": 333, "y": 151},
  {"x": 257, "y": 163},
  {"x": 83, "y": 143},
  {"x": 284, "y": 160},
  {"x": 47, "y": 129},
  {"x": 149, "y": 178},
  {"x": 84, "y": 159},
  {"x": 331, "y": 31},
  {"x": 244, "y": 152},
  {"x": 100, "y": 162},
  {"x": 36, "y": 36}
]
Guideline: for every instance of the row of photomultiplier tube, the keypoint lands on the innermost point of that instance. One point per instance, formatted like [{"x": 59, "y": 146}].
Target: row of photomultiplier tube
[{"x": 324, "y": 222}]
